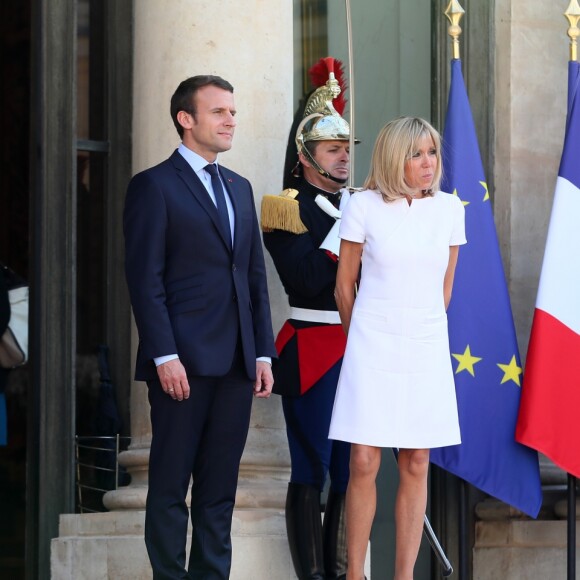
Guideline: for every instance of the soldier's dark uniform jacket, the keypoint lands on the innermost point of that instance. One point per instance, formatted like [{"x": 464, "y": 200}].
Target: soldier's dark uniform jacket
[{"x": 308, "y": 275}]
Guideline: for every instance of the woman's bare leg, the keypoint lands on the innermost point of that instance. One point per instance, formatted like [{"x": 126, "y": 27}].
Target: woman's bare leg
[
  {"x": 410, "y": 507},
  {"x": 361, "y": 502}
]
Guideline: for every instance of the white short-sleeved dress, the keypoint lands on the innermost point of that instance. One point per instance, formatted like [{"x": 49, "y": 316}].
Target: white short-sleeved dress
[{"x": 396, "y": 385}]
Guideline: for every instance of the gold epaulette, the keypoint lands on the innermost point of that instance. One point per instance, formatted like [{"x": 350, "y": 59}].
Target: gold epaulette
[{"x": 281, "y": 212}]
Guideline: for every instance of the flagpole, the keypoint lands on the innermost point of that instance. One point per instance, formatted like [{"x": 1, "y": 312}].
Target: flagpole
[
  {"x": 572, "y": 14},
  {"x": 454, "y": 13},
  {"x": 571, "y": 525}
]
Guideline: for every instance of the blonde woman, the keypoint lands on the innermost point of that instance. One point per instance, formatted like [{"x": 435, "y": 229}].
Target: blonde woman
[{"x": 396, "y": 386}]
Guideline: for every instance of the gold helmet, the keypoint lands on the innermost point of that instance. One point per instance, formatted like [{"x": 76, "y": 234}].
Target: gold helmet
[{"x": 321, "y": 121}]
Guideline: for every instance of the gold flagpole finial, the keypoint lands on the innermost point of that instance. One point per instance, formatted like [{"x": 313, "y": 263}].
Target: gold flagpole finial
[
  {"x": 573, "y": 15},
  {"x": 454, "y": 14}
]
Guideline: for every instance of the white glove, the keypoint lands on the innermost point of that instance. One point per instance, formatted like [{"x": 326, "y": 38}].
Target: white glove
[
  {"x": 331, "y": 241},
  {"x": 327, "y": 207}
]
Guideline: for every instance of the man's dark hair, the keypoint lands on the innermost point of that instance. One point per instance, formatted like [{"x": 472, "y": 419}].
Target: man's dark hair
[
  {"x": 183, "y": 98},
  {"x": 311, "y": 147}
]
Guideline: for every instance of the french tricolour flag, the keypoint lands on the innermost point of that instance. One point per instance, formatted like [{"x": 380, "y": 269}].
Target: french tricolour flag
[{"x": 549, "y": 415}]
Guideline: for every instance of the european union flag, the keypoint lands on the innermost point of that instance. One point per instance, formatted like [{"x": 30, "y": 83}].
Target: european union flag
[{"x": 484, "y": 351}]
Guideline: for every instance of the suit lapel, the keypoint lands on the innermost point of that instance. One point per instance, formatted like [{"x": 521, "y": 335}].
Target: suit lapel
[{"x": 199, "y": 192}]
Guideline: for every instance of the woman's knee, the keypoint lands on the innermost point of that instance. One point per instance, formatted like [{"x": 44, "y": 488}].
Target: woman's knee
[
  {"x": 414, "y": 462},
  {"x": 364, "y": 461}
]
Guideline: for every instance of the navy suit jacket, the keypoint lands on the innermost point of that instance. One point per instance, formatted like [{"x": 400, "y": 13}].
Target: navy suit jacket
[{"x": 191, "y": 294}]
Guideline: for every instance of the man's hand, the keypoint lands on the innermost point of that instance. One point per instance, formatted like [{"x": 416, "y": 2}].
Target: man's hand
[
  {"x": 174, "y": 380},
  {"x": 264, "y": 380}
]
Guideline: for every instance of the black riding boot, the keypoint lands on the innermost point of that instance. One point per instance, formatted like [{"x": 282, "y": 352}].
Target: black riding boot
[
  {"x": 334, "y": 535},
  {"x": 304, "y": 529}
]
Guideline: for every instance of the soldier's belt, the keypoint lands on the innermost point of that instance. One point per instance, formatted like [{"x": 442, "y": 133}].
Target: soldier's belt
[{"x": 307, "y": 315}]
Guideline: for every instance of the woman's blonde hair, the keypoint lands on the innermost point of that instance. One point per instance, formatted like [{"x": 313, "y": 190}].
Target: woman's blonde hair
[{"x": 395, "y": 144}]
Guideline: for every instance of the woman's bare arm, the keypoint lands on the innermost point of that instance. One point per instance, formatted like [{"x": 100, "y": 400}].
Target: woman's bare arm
[
  {"x": 450, "y": 274},
  {"x": 348, "y": 269}
]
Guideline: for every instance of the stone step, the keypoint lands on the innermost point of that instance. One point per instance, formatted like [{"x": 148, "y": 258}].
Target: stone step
[{"x": 110, "y": 545}]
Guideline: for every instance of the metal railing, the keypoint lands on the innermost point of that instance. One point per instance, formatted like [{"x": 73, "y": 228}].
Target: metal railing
[{"x": 97, "y": 469}]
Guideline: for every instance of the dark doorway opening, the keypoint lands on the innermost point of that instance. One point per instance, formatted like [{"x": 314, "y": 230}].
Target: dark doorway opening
[{"x": 15, "y": 27}]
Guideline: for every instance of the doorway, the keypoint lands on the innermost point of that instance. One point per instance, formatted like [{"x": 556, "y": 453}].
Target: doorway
[{"x": 66, "y": 156}]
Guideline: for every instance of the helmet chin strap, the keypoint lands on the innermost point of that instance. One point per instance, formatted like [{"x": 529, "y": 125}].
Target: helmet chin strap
[
  {"x": 322, "y": 172},
  {"x": 335, "y": 179}
]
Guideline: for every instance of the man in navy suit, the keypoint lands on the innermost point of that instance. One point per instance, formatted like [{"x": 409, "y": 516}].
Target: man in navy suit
[{"x": 197, "y": 280}]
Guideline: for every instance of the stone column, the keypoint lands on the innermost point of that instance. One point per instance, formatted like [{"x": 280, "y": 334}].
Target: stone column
[
  {"x": 171, "y": 42},
  {"x": 136, "y": 458},
  {"x": 236, "y": 44}
]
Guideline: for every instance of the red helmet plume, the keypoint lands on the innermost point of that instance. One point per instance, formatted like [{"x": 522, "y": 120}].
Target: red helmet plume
[{"x": 319, "y": 73}]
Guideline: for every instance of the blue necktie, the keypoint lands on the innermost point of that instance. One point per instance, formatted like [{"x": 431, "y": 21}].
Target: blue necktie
[{"x": 220, "y": 199}]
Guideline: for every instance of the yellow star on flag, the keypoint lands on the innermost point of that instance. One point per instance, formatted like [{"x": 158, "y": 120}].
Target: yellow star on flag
[
  {"x": 511, "y": 372},
  {"x": 463, "y": 202},
  {"x": 466, "y": 361},
  {"x": 486, "y": 196}
]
